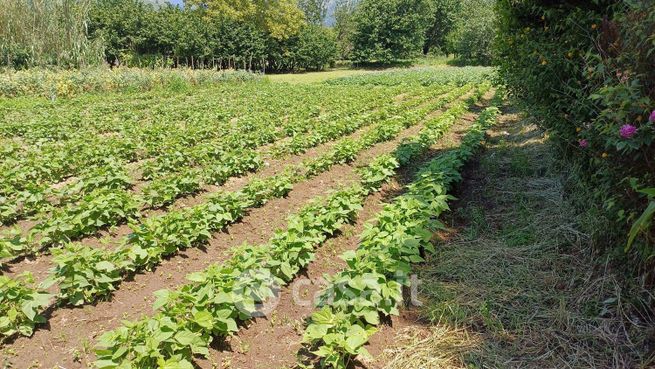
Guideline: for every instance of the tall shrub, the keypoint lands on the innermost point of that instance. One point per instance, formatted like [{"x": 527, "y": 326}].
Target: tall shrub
[
  {"x": 585, "y": 70},
  {"x": 46, "y": 32},
  {"x": 390, "y": 30}
]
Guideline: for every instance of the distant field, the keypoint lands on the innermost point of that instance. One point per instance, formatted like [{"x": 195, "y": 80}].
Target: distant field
[{"x": 311, "y": 77}]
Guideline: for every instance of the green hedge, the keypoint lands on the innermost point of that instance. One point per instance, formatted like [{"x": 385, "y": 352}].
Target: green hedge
[{"x": 585, "y": 70}]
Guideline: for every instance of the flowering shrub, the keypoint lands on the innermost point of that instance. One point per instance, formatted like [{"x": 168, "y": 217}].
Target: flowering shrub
[
  {"x": 628, "y": 131},
  {"x": 585, "y": 71}
]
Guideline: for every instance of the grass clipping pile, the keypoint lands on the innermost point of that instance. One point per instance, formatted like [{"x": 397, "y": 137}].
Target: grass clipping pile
[{"x": 511, "y": 283}]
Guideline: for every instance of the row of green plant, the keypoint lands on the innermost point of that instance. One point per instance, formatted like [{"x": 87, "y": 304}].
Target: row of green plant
[
  {"x": 425, "y": 76},
  {"x": 106, "y": 207},
  {"x": 324, "y": 133},
  {"x": 28, "y": 171},
  {"x": 57, "y": 160},
  {"x": 85, "y": 274},
  {"x": 189, "y": 179},
  {"x": 36, "y": 198},
  {"x": 371, "y": 285},
  {"x": 75, "y": 137},
  {"x": 220, "y": 298}
]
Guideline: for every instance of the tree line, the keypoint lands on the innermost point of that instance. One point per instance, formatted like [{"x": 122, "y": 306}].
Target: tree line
[{"x": 281, "y": 35}]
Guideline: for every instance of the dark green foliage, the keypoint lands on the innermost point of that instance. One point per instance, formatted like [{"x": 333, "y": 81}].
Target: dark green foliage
[
  {"x": 445, "y": 13},
  {"x": 316, "y": 48},
  {"x": 585, "y": 70},
  {"x": 390, "y": 30},
  {"x": 141, "y": 35},
  {"x": 473, "y": 32}
]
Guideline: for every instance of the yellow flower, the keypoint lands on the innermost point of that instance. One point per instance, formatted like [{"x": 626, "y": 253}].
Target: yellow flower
[
  {"x": 594, "y": 26},
  {"x": 569, "y": 55},
  {"x": 544, "y": 62},
  {"x": 605, "y": 155},
  {"x": 578, "y": 129}
]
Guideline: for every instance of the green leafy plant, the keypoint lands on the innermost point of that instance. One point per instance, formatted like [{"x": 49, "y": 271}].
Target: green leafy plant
[
  {"x": 82, "y": 274},
  {"x": 20, "y": 305},
  {"x": 375, "y": 273}
]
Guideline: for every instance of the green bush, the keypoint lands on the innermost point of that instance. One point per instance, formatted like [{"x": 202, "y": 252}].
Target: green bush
[
  {"x": 390, "y": 30},
  {"x": 472, "y": 35},
  {"x": 316, "y": 48},
  {"x": 585, "y": 70}
]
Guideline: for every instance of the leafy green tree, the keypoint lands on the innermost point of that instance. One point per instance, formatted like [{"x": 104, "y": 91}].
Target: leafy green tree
[
  {"x": 473, "y": 33},
  {"x": 446, "y": 13},
  {"x": 119, "y": 24},
  {"x": 344, "y": 25},
  {"x": 315, "y": 10},
  {"x": 316, "y": 47},
  {"x": 281, "y": 18},
  {"x": 390, "y": 30}
]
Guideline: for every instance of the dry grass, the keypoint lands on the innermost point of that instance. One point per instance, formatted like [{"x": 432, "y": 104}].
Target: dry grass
[
  {"x": 438, "y": 347},
  {"x": 516, "y": 286}
]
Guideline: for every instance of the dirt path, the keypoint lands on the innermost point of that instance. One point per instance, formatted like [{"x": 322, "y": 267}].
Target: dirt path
[{"x": 513, "y": 284}]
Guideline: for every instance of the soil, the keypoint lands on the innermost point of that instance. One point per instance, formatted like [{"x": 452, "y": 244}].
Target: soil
[
  {"x": 70, "y": 333},
  {"x": 275, "y": 340}
]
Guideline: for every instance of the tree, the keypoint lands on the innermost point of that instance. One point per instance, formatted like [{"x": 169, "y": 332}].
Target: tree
[
  {"x": 473, "y": 33},
  {"x": 281, "y": 18},
  {"x": 344, "y": 25},
  {"x": 390, "y": 30},
  {"x": 316, "y": 47},
  {"x": 446, "y": 13},
  {"x": 315, "y": 10},
  {"x": 118, "y": 24}
]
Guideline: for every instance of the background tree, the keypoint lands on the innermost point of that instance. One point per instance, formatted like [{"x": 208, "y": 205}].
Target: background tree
[
  {"x": 390, "y": 30},
  {"x": 445, "y": 14},
  {"x": 472, "y": 36},
  {"x": 118, "y": 24},
  {"x": 344, "y": 25},
  {"x": 315, "y": 10},
  {"x": 316, "y": 47},
  {"x": 281, "y": 19}
]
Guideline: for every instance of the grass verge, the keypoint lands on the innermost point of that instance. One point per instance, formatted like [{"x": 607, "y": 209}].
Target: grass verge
[{"x": 514, "y": 282}]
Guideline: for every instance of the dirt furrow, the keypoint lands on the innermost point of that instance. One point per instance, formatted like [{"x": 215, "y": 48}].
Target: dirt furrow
[
  {"x": 273, "y": 341},
  {"x": 60, "y": 343},
  {"x": 40, "y": 264}
]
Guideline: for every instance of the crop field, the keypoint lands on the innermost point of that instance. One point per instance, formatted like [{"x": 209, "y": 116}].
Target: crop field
[
  {"x": 327, "y": 184},
  {"x": 158, "y": 228}
]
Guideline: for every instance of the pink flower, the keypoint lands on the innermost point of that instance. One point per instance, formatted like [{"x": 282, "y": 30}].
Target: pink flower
[
  {"x": 652, "y": 117},
  {"x": 628, "y": 131},
  {"x": 583, "y": 143}
]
